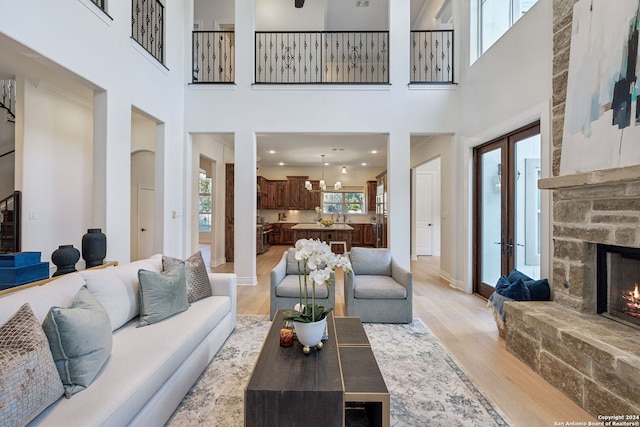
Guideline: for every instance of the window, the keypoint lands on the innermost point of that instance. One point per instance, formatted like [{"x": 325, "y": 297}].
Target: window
[
  {"x": 204, "y": 203},
  {"x": 497, "y": 16},
  {"x": 343, "y": 203}
]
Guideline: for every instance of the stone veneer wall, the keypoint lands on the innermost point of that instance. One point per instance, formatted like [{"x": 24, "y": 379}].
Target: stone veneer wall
[{"x": 594, "y": 360}]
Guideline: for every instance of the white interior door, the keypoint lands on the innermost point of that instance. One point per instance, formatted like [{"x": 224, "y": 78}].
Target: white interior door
[
  {"x": 146, "y": 221},
  {"x": 424, "y": 213}
]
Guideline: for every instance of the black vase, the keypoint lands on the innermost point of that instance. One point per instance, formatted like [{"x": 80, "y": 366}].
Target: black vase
[
  {"x": 65, "y": 258},
  {"x": 94, "y": 247}
]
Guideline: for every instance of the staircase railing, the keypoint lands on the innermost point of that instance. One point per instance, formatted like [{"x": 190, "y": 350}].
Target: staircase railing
[
  {"x": 213, "y": 55},
  {"x": 8, "y": 98},
  {"x": 147, "y": 26},
  {"x": 10, "y": 224}
]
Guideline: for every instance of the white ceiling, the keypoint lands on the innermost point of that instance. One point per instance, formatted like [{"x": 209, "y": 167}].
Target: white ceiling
[{"x": 305, "y": 150}]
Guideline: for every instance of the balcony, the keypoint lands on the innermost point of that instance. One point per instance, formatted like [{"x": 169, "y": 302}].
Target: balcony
[
  {"x": 147, "y": 26},
  {"x": 319, "y": 57},
  {"x": 323, "y": 57}
]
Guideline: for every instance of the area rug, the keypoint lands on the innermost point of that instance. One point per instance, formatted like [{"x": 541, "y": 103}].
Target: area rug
[{"x": 427, "y": 386}]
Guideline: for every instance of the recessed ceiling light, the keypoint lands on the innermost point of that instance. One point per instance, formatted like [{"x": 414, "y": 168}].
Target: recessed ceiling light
[
  {"x": 364, "y": 164},
  {"x": 374, "y": 151},
  {"x": 281, "y": 164},
  {"x": 272, "y": 151},
  {"x": 326, "y": 163}
]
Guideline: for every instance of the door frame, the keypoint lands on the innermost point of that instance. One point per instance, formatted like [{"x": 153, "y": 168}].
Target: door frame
[{"x": 507, "y": 144}]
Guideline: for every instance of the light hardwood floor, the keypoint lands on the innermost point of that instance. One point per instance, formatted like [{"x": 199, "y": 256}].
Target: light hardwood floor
[{"x": 465, "y": 327}]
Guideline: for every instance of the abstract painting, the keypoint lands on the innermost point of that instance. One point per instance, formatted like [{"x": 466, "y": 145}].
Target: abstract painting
[{"x": 602, "y": 116}]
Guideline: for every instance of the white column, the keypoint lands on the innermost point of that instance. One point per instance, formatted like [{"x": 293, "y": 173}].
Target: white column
[
  {"x": 112, "y": 173},
  {"x": 245, "y": 207},
  {"x": 245, "y": 42},
  {"x": 399, "y": 42},
  {"x": 399, "y": 196}
]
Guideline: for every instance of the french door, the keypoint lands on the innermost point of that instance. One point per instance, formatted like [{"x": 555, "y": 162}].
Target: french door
[{"x": 506, "y": 208}]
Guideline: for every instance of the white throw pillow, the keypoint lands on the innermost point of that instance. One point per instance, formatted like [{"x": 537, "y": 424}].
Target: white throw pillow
[{"x": 112, "y": 293}]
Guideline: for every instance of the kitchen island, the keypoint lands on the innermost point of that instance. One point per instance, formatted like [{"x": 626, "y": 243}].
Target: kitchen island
[{"x": 332, "y": 235}]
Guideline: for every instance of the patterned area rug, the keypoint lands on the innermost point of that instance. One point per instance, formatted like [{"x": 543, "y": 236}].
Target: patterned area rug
[{"x": 427, "y": 387}]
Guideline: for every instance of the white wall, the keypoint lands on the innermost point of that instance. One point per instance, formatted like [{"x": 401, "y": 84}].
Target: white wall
[
  {"x": 281, "y": 15},
  {"x": 213, "y": 13},
  {"x": 508, "y": 87},
  {"x": 56, "y": 186},
  {"x": 121, "y": 76},
  {"x": 443, "y": 147}
]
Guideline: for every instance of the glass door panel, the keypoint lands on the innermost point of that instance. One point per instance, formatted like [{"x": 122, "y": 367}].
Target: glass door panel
[
  {"x": 527, "y": 206},
  {"x": 506, "y": 208},
  {"x": 491, "y": 217}
]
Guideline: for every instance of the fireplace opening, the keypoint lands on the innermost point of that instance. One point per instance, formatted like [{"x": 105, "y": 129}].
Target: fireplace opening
[{"x": 618, "y": 284}]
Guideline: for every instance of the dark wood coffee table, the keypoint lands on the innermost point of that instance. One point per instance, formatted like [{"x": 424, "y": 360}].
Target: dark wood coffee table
[{"x": 289, "y": 388}]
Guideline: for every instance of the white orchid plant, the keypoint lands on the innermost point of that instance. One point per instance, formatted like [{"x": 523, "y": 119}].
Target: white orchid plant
[{"x": 316, "y": 263}]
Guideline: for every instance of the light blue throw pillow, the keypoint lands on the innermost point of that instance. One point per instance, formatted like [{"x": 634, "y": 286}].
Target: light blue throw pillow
[
  {"x": 80, "y": 340},
  {"x": 162, "y": 294}
]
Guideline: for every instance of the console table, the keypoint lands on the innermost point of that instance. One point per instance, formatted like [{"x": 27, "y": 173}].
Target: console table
[{"x": 289, "y": 388}]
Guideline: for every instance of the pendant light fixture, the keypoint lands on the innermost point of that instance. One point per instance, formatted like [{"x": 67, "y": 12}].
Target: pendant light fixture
[{"x": 322, "y": 183}]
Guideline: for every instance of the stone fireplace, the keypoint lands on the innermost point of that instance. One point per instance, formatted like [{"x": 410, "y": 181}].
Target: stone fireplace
[
  {"x": 591, "y": 357},
  {"x": 617, "y": 288}
]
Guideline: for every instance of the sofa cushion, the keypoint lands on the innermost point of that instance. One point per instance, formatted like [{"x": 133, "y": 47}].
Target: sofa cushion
[
  {"x": 289, "y": 287},
  {"x": 369, "y": 261},
  {"x": 517, "y": 291},
  {"x": 29, "y": 380},
  {"x": 539, "y": 289},
  {"x": 59, "y": 292},
  {"x": 378, "y": 287},
  {"x": 80, "y": 340},
  {"x": 143, "y": 358},
  {"x": 112, "y": 293},
  {"x": 198, "y": 285},
  {"x": 292, "y": 262},
  {"x": 162, "y": 294},
  {"x": 128, "y": 273}
]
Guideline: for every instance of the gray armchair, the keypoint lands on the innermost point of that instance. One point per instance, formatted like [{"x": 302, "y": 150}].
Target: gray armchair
[
  {"x": 378, "y": 290},
  {"x": 285, "y": 288}
]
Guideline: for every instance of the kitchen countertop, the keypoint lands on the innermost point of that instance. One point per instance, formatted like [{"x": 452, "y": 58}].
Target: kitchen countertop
[{"x": 314, "y": 226}]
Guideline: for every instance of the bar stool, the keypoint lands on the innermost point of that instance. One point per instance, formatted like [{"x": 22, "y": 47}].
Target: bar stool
[{"x": 339, "y": 243}]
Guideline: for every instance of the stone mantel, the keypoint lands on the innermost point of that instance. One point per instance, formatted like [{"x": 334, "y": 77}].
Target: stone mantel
[{"x": 601, "y": 177}]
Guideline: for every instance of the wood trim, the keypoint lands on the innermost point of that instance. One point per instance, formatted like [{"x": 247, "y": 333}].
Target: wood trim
[{"x": 51, "y": 279}]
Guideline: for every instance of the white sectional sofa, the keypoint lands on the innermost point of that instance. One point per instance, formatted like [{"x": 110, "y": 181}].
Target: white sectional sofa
[{"x": 150, "y": 368}]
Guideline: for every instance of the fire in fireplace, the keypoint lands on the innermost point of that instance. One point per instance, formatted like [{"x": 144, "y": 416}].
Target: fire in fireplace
[{"x": 618, "y": 275}]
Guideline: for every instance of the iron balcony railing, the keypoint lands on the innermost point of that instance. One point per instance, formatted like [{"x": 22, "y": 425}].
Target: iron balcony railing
[
  {"x": 147, "y": 26},
  {"x": 213, "y": 54},
  {"x": 333, "y": 57},
  {"x": 100, "y": 4},
  {"x": 432, "y": 56},
  {"x": 323, "y": 57}
]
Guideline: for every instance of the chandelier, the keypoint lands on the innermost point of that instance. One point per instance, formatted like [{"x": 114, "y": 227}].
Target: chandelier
[{"x": 322, "y": 184}]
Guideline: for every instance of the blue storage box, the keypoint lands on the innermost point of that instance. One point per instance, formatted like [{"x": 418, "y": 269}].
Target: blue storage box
[
  {"x": 14, "y": 276},
  {"x": 19, "y": 259}
]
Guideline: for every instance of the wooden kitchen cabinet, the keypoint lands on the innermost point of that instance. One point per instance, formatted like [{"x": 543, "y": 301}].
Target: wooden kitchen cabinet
[
  {"x": 287, "y": 234},
  {"x": 229, "y": 212},
  {"x": 262, "y": 189},
  {"x": 372, "y": 187},
  {"x": 356, "y": 235},
  {"x": 276, "y": 234},
  {"x": 296, "y": 191},
  {"x": 368, "y": 236}
]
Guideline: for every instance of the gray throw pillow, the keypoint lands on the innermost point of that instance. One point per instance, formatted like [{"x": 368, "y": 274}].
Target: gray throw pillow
[
  {"x": 198, "y": 284},
  {"x": 162, "y": 294},
  {"x": 29, "y": 380},
  {"x": 80, "y": 340}
]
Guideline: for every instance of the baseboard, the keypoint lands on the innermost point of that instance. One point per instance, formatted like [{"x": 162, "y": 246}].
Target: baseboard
[
  {"x": 217, "y": 262},
  {"x": 448, "y": 279},
  {"x": 248, "y": 281}
]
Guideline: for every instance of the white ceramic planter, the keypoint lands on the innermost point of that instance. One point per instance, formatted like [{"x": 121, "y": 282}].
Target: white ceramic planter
[{"x": 310, "y": 334}]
